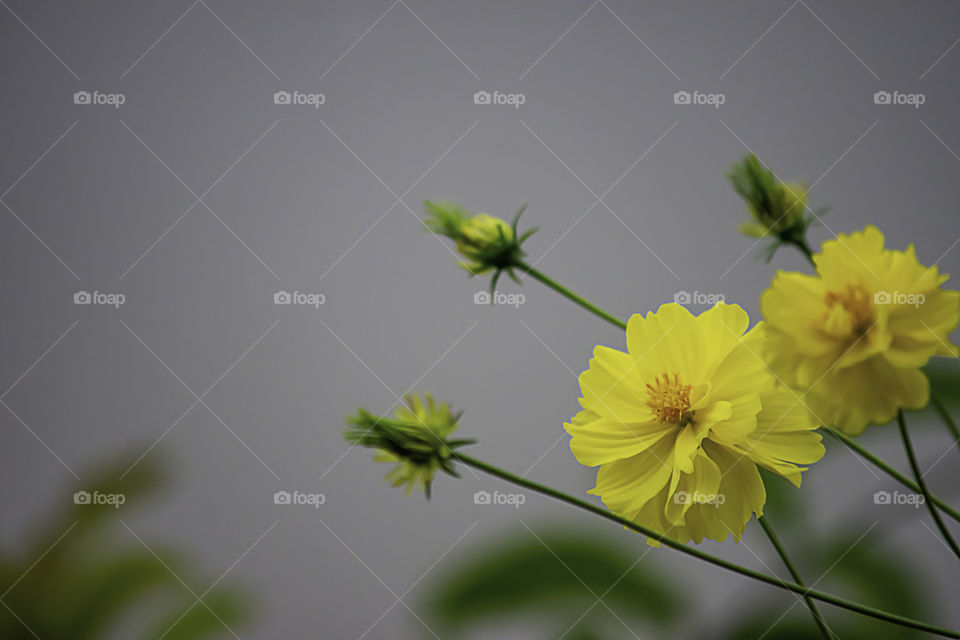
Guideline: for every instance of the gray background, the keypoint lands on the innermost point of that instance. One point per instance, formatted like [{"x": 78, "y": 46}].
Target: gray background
[{"x": 326, "y": 200}]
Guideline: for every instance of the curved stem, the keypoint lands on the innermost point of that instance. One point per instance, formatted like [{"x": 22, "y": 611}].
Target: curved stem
[
  {"x": 941, "y": 409},
  {"x": 893, "y": 473},
  {"x": 767, "y": 529},
  {"x": 911, "y": 456},
  {"x": 567, "y": 293},
  {"x": 706, "y": 557}
]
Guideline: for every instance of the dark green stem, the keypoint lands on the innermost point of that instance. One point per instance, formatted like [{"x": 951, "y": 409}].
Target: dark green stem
[
  {"x": 706, "y": 557},
  {"x": 893, "y": 473},
  {"x": 911, "y": 456},
  {"x": 775, "y": 541},
  {"x": 570, "y": 295},
  {"x": 941, "y": 409}
]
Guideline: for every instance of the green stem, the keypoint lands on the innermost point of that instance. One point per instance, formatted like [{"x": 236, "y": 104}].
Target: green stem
[
  {"x": 706, "y": 557},
  {"x": 805, "y": 249},
  {"x": 911, "y": 456},
  {"x": 893, "y": 473},
  {"x": 946, "y": 417},
  {"x": 567, "y": 293},
  {"x": 775, "y": 541}
]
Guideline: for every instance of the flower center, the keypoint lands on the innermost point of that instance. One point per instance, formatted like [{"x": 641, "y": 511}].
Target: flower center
[
  {"x": 670, "y": 399},
  {"x": 850, "y": 311}
]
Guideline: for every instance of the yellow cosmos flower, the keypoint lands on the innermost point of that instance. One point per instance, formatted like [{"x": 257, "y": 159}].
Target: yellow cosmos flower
[
  {"x": 854, "y": 336},
  {"x": 679, "y": 423}
]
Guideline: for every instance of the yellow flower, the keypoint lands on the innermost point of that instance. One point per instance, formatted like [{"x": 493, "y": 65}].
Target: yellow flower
[
  {"x": 854, "y": 337},
  {"x": 679, "y": 423}
]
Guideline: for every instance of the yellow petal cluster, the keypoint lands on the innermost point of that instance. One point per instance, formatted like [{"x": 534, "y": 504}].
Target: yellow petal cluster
[
  {"x": 679, "y": 423},
  {"x": 853, "y": 337}
]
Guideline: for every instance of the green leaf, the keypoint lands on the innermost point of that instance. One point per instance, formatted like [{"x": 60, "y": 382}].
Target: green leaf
[{"x": 523, "y": 574}]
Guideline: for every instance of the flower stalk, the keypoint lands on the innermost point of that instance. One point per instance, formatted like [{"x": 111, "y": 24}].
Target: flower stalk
[
  {"x": 782, "y": 552},
  {"x": 706, "y": 557},
  {"x": 921, "y": 483}
]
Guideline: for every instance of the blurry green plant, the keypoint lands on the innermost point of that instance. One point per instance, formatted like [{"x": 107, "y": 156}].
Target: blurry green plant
[
  {"x": 554, "y": 577},
  {"x": 521, "y": 577},
  {"x": 83, "y": 584}
]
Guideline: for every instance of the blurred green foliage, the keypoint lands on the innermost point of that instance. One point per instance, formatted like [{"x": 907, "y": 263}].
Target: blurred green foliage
[
  {"x": 552, "y": 578},
  {"x": 71, "y": 579}
]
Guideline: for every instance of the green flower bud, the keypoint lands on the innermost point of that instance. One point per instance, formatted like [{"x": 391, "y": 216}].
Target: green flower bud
[{"x": 417, "y": 440}]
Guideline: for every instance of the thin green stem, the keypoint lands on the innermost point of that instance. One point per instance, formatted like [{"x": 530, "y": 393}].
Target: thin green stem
[
  {"x": 911, "y": 456},
  {"x": 775, "y": 541},
  {"x": 706, "y": 557},
  {"x": 567, "y": 293},
  {"x": 941, "y": 409},
  {"x": 893, "y": 473},
  {"x": 805, "y": 249}
]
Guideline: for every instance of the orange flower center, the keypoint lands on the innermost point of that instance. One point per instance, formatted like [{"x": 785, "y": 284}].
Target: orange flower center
[
  {"x": 851, "y": 309},
  {"x": 670, "y": 399}
]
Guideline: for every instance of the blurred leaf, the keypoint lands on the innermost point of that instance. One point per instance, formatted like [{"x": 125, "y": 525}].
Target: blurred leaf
[
  {"x": 944, "y": 375},
  {"x": 784, "y": 505},
  {"x": 524, "y": 574},
  {"x": 222, "y": 610},
  {"x": 879, "y": 578},
  {"x": 71, "y": 581}
]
